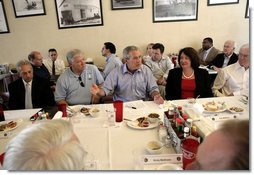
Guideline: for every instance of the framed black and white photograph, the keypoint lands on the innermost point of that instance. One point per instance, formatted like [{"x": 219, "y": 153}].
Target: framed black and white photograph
[
  {"x": 222, "y": 2},
  {"x": 24, "y": 8},
  {"x": 175, "y": 10},
  {"x": 78, "y": 13},
  {"x": 126, "y": 4},
  {"x": 4, "y": 28},
  {"x": 247, "y": 10}
]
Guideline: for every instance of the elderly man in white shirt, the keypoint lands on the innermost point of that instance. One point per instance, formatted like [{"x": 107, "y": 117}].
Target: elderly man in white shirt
[
  {"x": 160, "y": 66},
  {"x": 234, "y": 79}
]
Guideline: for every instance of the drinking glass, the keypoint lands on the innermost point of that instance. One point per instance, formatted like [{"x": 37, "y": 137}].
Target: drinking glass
[
  {"x": 63, "y": 108},
  {"x": 189, "y": 149},
  {"x": 118, "y": 105}
]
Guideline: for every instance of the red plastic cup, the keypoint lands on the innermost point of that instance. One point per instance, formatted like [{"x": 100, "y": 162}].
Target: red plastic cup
[
  {"x": 62, "y": 107},
  {"x": 189, "y": 149},
  {"x": 118, "y": 105}
]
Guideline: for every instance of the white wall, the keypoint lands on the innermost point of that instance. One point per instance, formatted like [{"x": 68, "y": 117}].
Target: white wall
[{"x": 122, "y": 27}]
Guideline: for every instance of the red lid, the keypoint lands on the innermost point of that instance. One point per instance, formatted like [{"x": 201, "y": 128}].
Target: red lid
[
  {"x": 185, "y": 116},
  {"x": 178, "y": 120}
]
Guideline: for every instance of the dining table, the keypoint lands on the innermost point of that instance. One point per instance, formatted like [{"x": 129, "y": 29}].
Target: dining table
[{"x": 119, "y": 145}]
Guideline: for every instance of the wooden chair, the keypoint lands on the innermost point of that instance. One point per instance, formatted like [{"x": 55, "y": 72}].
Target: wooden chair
[
  {"x": 107, "y": 99},
  {"x": 5, "y": 99},
  {"x": 15, "y": 76}
]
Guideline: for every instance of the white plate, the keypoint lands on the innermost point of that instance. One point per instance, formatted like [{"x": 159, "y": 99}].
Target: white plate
[
  {"x": 77, "y": 108},
  {"x": 169, "y": 166},
  {"x": 235, "y": 112},
  {"x": 9, "y": 129},
  {"x": 220, "y": 110},
  {"x": 224, "y": 107},
  {"x": 134, "y": 124}
]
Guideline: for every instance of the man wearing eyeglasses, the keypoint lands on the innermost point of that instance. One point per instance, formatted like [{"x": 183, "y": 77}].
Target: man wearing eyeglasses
[{"x": 73, "y": 86}]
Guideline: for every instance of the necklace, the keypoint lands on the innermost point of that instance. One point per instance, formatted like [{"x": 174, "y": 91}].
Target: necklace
[{"x": 188, "y": 77}]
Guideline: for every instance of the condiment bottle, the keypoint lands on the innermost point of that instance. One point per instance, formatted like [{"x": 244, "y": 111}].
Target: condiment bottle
[
  {"x": 185, "y": 116},
  {"x": 170, "y": 114},
  {"x": 179, "y": 124},
  {"x": 194, "y": 131},
  {"x": 180, "y": 109},
  {"x": 189, "y": 124},
  {"x": 186, "y": 132}
]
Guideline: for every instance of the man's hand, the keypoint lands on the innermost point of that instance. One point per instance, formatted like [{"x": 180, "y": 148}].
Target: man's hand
[
  {"x": 94, "y": 89},
  {"x": 158, "y": 99},
  {"x": 161, "y": 81}
]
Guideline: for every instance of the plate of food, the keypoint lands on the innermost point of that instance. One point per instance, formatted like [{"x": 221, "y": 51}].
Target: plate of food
[
  {"x": 6, "y": 126},
  {"x": 142, "y": 123},
  {"x": 213, "y": 106},
  {"x": 85, "y": 110},
  {"x": 235, "y": 109}
]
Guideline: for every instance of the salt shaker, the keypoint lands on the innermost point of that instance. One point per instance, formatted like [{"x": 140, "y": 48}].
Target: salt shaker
[{"x": 162, "y": 132}]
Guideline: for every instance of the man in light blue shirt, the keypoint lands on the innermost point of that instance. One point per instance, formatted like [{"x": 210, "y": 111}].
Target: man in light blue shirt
[
  {"x": 132, "y": 81},
  {"x": 73, "y": 86},
  {"x": 112, "y": 61}
]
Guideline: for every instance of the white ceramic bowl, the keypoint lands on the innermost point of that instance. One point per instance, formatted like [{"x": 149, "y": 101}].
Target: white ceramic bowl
[
  {"x": 153, "y": 117},
  {"x": 169, "y": 166},
  {"x": 94, "y": 112},
  {"x": 154, "y": 147}
]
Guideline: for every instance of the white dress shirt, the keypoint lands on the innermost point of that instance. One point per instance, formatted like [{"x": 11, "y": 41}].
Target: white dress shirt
[
  {"x": 59, "y": 65},
  {"x": 231, "y": 80},
  {"x": 160, "y": 68}
]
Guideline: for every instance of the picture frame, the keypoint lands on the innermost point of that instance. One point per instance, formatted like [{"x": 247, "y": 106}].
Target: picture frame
[
  {"x": 4, "y": 28},
  {"x": 82, "y": 13},
  {"x": 26, "y": 8},
  {"x": 221, "y": 2},
  {"x": 126, "y": 4},
  {"x": 173, "y": 10},
  {"x": 247, "y": 11}
]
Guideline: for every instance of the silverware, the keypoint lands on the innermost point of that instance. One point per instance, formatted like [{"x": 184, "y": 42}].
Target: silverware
[{"x": 127, "y": 119}]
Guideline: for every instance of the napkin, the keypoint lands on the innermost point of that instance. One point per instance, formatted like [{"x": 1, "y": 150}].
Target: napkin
[
  {"x": 198, "y": 108},
  {"x": 58, "y": 115}
]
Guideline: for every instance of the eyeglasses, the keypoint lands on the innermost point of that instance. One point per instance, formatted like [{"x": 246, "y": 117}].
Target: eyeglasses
[{"x": 81, "y": 82}]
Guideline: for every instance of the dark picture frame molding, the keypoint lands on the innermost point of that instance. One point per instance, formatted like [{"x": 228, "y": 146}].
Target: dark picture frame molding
[
  {"x": 221, "y": 2},
  {"x": 175, "y": 12},
  {"x": 247, "y": 11},
  {"x": 28, "y": 8},
  {"x": 4, "y": 27},
  {"x": 126, "y": 4},
  {"x": 73, "y": 15}
]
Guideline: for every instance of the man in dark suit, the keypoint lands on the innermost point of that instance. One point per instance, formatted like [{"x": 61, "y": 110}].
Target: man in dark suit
[
  {"x": 28, "y": 91},
  {"x": 39, "y": 69},
  {"x": 226, "y": 58},
  {"x": 207, "y": 53}
]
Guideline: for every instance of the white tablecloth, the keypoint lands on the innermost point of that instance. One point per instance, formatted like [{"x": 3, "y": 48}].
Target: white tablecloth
[{"x": 112, "y": 147}]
